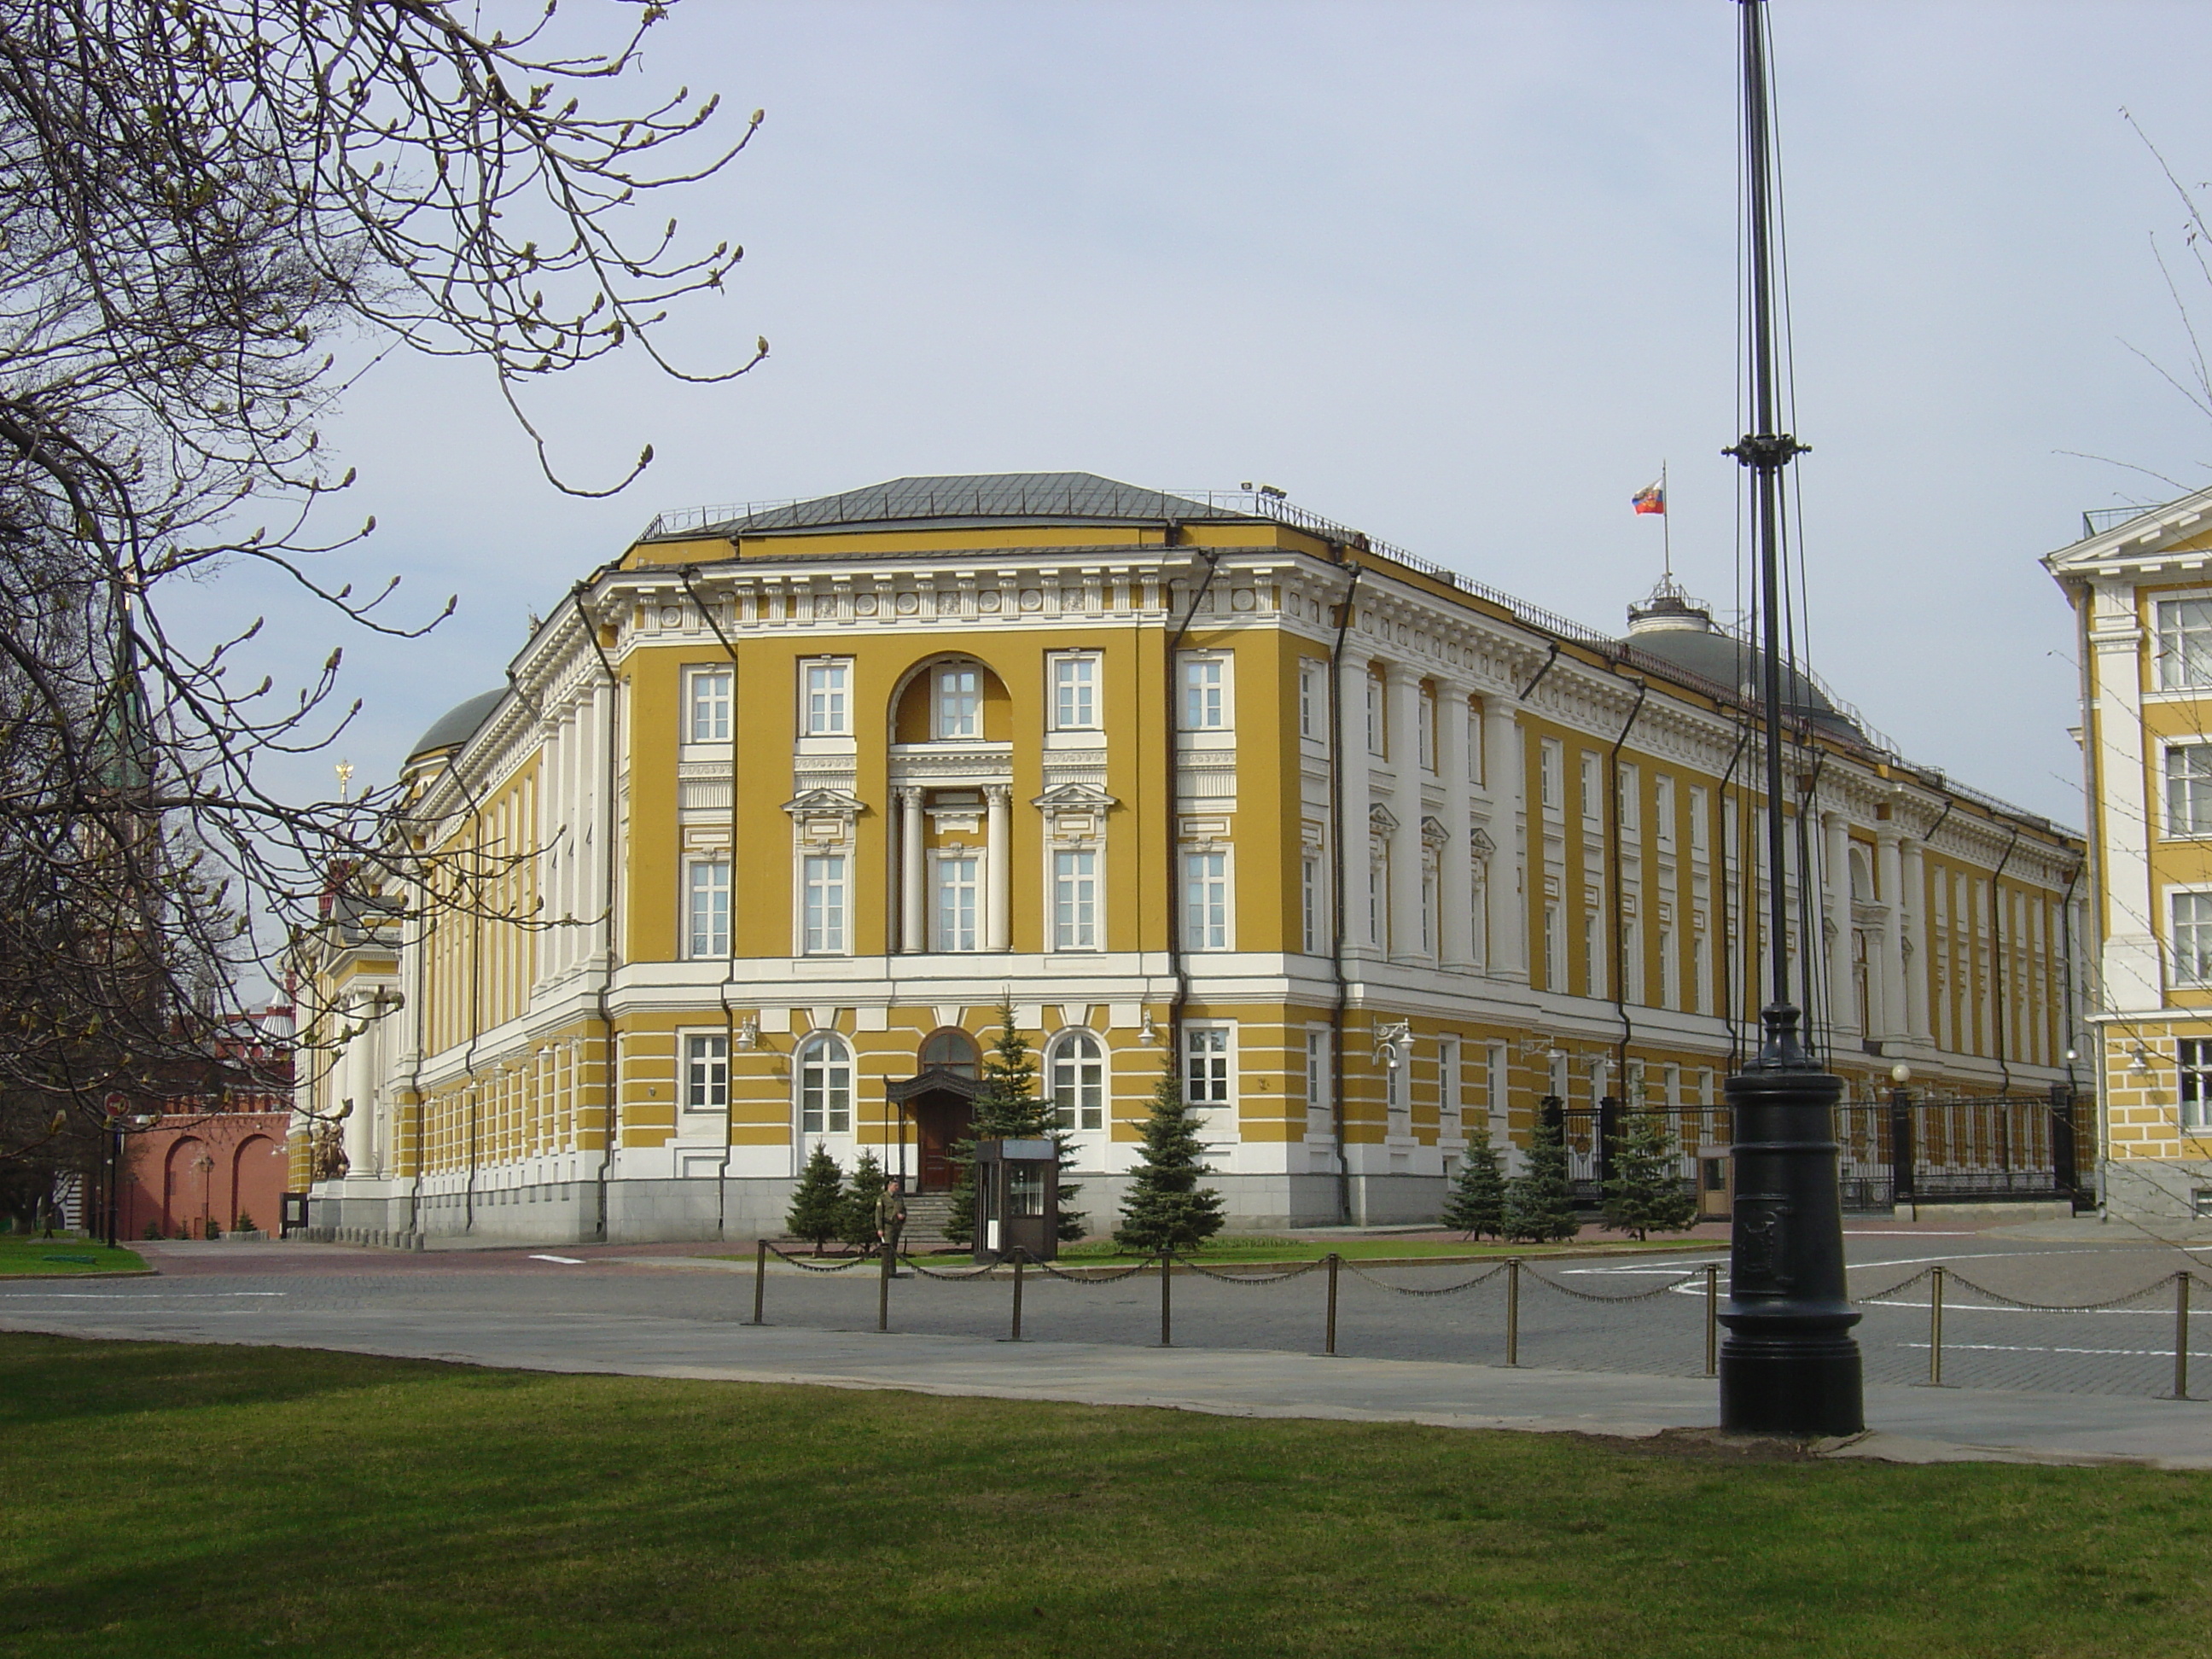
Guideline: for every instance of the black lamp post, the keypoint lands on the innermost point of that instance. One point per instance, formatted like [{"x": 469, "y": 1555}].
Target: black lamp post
[{"x": 1789, "y": 1365}]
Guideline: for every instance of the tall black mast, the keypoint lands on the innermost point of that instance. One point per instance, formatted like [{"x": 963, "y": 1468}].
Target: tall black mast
[{"x": 1789, "y": 1365}]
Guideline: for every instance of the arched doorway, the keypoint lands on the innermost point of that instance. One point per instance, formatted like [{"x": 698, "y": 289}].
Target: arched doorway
[
  {"x": 939, "y": 1101},
  {"x": 185, "y": 1188},
  {"x": 256, "y": 1184}
]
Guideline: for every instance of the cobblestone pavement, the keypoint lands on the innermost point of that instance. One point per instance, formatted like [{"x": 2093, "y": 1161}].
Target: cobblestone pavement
[{"x": 1646, "y": 1314}]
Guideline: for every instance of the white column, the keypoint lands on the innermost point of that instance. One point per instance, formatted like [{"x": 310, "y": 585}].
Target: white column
[
  {"x": 998, "y": 867},
  {"x": 1402, "y": 728},
  {"x": 1909, "y": 913},
  {"x": 1454, "y": 869},
  {"x": 914, "y": 923},
  {"x": 1505, "y": 777},
  {"x": 1836, "y": 873},
  {"x": 1353, "y": 782},
  {"x": 1890, "y": 875}
]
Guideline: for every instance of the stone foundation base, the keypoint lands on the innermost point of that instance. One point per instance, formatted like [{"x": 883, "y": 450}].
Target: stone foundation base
[{"x": 2158, "y": 1192}]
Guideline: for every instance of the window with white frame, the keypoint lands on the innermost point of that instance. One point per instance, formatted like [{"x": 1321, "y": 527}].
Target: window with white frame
[
  {"x": 1204, "y": 693},
  {"x": 1378, "y": 897},
  {"x": 1206, "y": 901},
  {"x": 1555, "y": 947},
  {"x": 1077, "y": 1071},
  {"x": 1310, "y": 903},
  {"x": 1632, "y": 960},
  {"x": 1594, "y": 952},
  {"x": 1318, "y": 1113},
  {"x": 823, "y": 913},
  {"x": 1206, "y": 1065},
  {"x": 2188, "y": 789},
  {"x": 825, "y": 1085},
  {"x": 1075, "y": 693},
  {"x": 1697, "y": 834},
  {"x": 1593, "y": 806},
  {"x": 2194, "y": 1057},
  {"x": 1663, "y": 810},
  {"x": 1377, "y": 736},
  {"x": 959, "y": 701},
  {"x": 1396, "y": 1086},
  {"x": 1428, "y": 732},
  {"x": 708, "y": 718},
  {"x": 1466, "y": 711},
  {"x": 2184, "y": 644},
  {"x": 1701, "y": 972},
  {"x": 828, "y": 709},
  {"x": 1494, "y": 1085},
  {"x": 706, "y": 918},
  {"x": 1075, "y": 901},
  {"x": 1450, "y": 1088},
  {"x": 706, "y": 1071},
  {"x": 1551, "y": 760},
  {"x": 2193, "y": 938},
  {"x": 1313, "y": 699},
  {"x": 1670, "y": 971},
  {"x": 1429, "y": 918},
  {"x": 1631, "y": 785},
  {"x": 959, "y": 889}
]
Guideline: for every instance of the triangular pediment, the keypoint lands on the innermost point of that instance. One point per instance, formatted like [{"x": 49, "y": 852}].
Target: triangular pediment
[
  {"x": 1073, "y": 797},
  {"x": 824, "y": 804},
  {"x": 2175, "y": 538}
]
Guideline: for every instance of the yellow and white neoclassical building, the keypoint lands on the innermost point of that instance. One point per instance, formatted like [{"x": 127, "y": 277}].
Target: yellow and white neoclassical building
[
  {"x": 2141, "y": 586},
  {"x": 774, "y": 810}
]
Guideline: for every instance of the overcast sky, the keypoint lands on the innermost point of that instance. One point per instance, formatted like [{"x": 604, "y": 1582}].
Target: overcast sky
[{"x": 1462, "y": 276}]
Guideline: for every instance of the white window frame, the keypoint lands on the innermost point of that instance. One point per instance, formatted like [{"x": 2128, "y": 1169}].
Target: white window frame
[
  {"x": 943, "y": 938},
  {"x": 955, "y": 710},
  {"x": 2182, "y": 643},
  {"x": 1075, "y": 690},
  {"x": 706, "y": 909},
  {"x": 1496, "y": 1084},
  {"x": 1378, "y": 724},
  {"x": 1203, "y": 889},
  {"x": 1551, "y": 764},
  {"x": 1205, "y": 691},
  {"x": 2192, "y": 1097},
  {"x": 1451, "y": 1089},
  {"x": 1700, "y": 835},
  {"x": 1208, "y": 1064},
  {"x": 1311, "y": 867},
  {"x": 2188, "y": 779},
  {"x": 1313, "y": 700},
  {"x": 1427, "y": 735},
  {"x": 1077, "y": 914},
  {"x": 1670, "y": 970},
  {"x": 1555, "y": 946},
  {"x": 827, "y": 1054},
  {"x": 1076, "y": 1107},
  {"x": 825, "y": 904},
  {"x": 2190, "y": 943},
  {"x": 1629, "y": 781},
  {"x": 1318, "y": 1119},
  {"x": 705, "y": 1057},
  {"x": 825, "y": 697},
  {"x": 1662, "y": 811},
  {"x": 1593, "y": 782},
  {"x": 709, "y": 694},
  {"x": 1597, "y": 976},
  {"x": 1632, "y": 959}
]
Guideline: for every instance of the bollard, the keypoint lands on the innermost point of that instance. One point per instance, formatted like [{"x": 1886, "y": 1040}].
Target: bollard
[
  {"x": 1712, "y": 1319},
  {"x": 1936, "y": 1326},
  {"x": 883, "y": 1286},
  {"x": 1329, "y": 1344},
  {"x": 759, "y": 1278},
  {"x": 1015, "y": 1335},
  {"x": 1513, "y": 1311},
  {"x": 2181, "y": 1335},
  {"x": 1166, "y": 1329}
]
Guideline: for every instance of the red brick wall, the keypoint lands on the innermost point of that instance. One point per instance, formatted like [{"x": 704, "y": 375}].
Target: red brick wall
[{"x": 190, "y": 1171}]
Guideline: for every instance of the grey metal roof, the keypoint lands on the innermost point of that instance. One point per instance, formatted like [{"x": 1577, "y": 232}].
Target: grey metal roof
[
  {"x": 457, "y": 724},
  {"x": 977, "y": 498},
  {"x": 1725, "y": 660}
]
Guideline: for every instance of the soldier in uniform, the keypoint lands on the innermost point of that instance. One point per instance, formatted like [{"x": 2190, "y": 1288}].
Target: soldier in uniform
[{"x": 891, "y": 1216}]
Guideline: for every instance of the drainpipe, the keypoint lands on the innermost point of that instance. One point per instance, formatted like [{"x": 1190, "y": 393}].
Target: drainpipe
[
  {"x": 1613, "y": 851},
  {"x": 607, "y": 969},
  {"x": 688, "y": 575},
  {"x": 1996, "y": 962},
  {"x": 1176, "y": 967},
  {"x": 1337, "y": 848}
]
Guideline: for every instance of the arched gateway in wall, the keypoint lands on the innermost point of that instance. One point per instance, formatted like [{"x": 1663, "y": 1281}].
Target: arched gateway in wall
[{"x": 937, "y": 1106}]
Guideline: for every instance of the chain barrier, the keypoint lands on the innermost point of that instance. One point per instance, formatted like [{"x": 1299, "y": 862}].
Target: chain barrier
[
  {"x": 982, "y": 1272},
  {"x": 1633, "y": 1296},
  {"x": 1299, "y": 1271},
  {"x": 1359, "y": 1272},
  {"x": 1091, "y": 1275},
  {"x": 1954, "y": 1278},
  {"x": 861, "y": 1261}
]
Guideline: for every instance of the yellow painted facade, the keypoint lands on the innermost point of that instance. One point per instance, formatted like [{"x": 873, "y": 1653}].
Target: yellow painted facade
[{"x": 1376, "y": 857}]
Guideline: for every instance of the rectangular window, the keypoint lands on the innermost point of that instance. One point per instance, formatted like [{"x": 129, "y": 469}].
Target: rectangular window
[
  {"x": 2194, "y": 1057},
  {"x": 1428, "y": 910},
  {"x": 1428, "y": 733},
  {"x": 708, "y": 911},
  {"x": 1316, "y": 1082},
  {"x": 1376, "y": 734},
  {"x": 709, "y": 720},
  {"x": 1075, "y": 694},
  {"x": 1493, "y": 1089},
  {"x": 1206, "y": 901},
  {"x": 1079, "y": 1085},
  {"x": 825, "y": 1092},
  {"x": 1555, "y": 948},
  {"x": 2184, "y": 644},
  {"x": 1310, "y": 917},
  {"x": 1313, "y": 699},
  {"x": 1550, "y": 760},
  {"x": 1450, "y": 1090},
  {"x": 957, "y": 889},
  {"x": 1697, "y": 823},
  {"x": 1594, "y": 954},
  {"x": 1631, "y": 785},
  {"x": 825, "y": 904},
  {"x": 706, "y": 1073},
  {"x": 1378, "y": 898},
  {"x": 1473, "y": 716},
  {"x": 2192, "y": 938},
  {"x": 1670, "y": 971},
  {"x": 1632, "y": 960},
  {"x": 2189, "y": 790},
  {"x": 1592, "y": 808},
  {"x": 959, "y": 702},
  {"x": 1662, "y": 811},
  {"x": 1204, "y": 694},
  {"x": 827, "y": 713},
  {"x": 1075, "y": 901},
  {"x": 1206, "y": 1067}
]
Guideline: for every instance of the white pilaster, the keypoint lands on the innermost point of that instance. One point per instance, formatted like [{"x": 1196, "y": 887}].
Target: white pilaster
[
  {"x": 1505, "y": 777},
  {"x": 1889, "y": 874},
  {"x": 1908, "y": 913},
  {"x": 1836, "y": 887},
  {"x": 913, "y": 917},
  {"x": 999, "y": 868},
  {"x": 1454, "y": 869},
  {"x": 1354, "y": 783},
  {"x": 2132, "y": 978},
  {"x": 1403, "y": 739}
]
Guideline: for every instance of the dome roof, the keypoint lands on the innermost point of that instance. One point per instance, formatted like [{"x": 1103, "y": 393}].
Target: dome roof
[
  {"x": 1676, "y": 630},
  {"x": 457, "y": 724}
]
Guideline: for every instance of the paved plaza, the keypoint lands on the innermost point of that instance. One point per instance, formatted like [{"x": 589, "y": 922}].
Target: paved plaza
[{"x": 1611, "y": 1344}]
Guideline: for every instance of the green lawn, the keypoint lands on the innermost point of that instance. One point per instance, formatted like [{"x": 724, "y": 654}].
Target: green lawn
[
  {"x": 20, "y": 1255},
  {"x": 177, "y": 1501}
]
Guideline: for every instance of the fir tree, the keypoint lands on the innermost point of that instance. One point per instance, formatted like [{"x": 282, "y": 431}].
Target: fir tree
[
  {"x": 1009, "y": 1108},
  {"x": 1645, "y": 1194},
  {"x": 1540, "y": 1206},
  {"x": 817, "y": 1208},
  {"x": 1166, "y": 1209},
  {"x": 1476, "y": 1204},
  {"x": 859, "y": 1226}
]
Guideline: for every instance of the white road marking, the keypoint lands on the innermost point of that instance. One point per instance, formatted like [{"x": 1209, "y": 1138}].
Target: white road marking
[
  {"x": 565, "y": 1260},
  {"x": 1999, "y": 1347},
  {"x": 130, "y": 1296}
]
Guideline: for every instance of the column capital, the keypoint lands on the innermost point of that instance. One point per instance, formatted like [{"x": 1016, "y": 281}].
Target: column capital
[{"x": 1401, "y": 673}]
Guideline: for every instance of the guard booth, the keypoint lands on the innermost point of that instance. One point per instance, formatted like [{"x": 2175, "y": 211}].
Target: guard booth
[
  {"x": 1716, "y": 1181},
  {"x": 293, "y": 1216},
  {"x": 1016, "y": 1199}
]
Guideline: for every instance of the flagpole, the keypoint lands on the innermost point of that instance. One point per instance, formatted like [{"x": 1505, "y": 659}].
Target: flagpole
[{"x": 1666, "y": 526}]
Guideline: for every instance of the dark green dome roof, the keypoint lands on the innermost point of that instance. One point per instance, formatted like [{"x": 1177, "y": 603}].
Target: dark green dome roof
[{"x": 457, "y": 724}]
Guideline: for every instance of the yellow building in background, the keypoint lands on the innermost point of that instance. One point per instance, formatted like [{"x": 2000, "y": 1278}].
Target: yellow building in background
[
  {"x": 2141, "y": 585},
  {"x": 775, "y": 808}
]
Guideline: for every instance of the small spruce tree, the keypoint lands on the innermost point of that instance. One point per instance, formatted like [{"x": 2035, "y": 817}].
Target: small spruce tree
[
  {"x": 817, "y": 1208},
  {"x": 867, "y": 1186},
  {"x": 1009, "y": 1108},
  {"x": 1166, "y": 1209},
  {"x": 1540, "y": 1206},
  {"x": 1476, "y": 1204},
  {"x": 1645, "y": 1194}
]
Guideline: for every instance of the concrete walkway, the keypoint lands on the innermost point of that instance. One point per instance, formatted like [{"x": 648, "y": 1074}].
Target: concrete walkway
[{"x": 1910, "y": 1424}]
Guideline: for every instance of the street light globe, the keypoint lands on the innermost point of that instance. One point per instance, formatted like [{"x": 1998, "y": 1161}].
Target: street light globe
[{"x": 1900, "y": 1074}]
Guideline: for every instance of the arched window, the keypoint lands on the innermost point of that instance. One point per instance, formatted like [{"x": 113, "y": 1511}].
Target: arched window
[
  {"x": 825, "y": 1086},
  {"x": 1077, "y": 1071},
  {"x": 952, "y": 1048},
  {"x": 1862, "y": 877}
]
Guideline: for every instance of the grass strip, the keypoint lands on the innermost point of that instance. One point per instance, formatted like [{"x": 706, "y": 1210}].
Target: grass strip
[
  {"x": 202, "y": 1500},
  {"x": 49, "y": 1258}
]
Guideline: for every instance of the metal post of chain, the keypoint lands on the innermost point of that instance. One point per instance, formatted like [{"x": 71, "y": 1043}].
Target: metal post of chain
[
  {"x": 1329, "y": 1344},
  {"x": 2181, "y": 1335},
  {"x": 1166, "y": 1329},
  {"x": 1712, "y": 1319},
  {"x": 1020, "y": 1255},
  {"x": 1936, "y": 1326},
  {"x": 884, "y": 1285},
  {"x": 1513, "y": 1311},
  {"x": 759, "y": 1278}
]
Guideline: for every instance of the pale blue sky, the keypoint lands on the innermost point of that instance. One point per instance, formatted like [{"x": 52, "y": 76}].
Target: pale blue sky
[{"x": 1461, "y": 276}]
